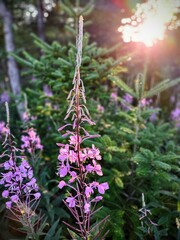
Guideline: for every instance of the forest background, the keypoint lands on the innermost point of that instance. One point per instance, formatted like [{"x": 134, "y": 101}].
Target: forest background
[{"x": 139, "y": 127}]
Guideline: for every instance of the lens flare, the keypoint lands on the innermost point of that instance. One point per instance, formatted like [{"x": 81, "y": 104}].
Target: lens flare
[{"x": 150, "y": 21}]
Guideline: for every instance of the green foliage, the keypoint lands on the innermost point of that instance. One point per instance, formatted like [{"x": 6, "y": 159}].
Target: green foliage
[
  {"x": 149, "y": 163},
  {"x": 161, "y": 87},
  {"x": 123, "y": 86},
  {"x": 52, "y": 234}
]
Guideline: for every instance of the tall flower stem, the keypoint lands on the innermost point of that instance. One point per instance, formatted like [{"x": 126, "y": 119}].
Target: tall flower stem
[
  {"x": 77, "y": 80},
  {"x": 78, "y": 162}
]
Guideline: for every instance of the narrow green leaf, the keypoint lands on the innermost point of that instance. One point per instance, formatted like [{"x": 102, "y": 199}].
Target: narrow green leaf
[
  {"x": 21, "y": 60},
  {"x": 41, "y": 42},
  {"x": 161, "y": 87},
  {"x": 51, "y": 231},
  {"x": 73, "y": 235},
  {"x": 88, "y": 9},
  {"x": 63, "y": 61},
  {"x": 162, "y": 165},
  {"x": 68, "y": 10},
  {"x": 123, "y": 86}
]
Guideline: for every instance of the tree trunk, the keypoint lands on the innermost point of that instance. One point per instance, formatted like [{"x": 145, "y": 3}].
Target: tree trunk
[
  {"x": 13, "y": 72},
  {"x": 40, "y": 21}
]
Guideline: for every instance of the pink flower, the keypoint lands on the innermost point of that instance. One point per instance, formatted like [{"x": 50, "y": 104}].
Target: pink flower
[
  {"x": 72, "y": 156},
  {"x": 89, "y": 168},
  {"x": 102, "y": 187},
  {"x": 63, "y": 153},
  {"x": 73, "y": 139},
  {"x": 61, "y": 184},
  {"x": 73, "y": 176},
  {"x": 25, "y": 139},
  {"x": 8, "y": 164},
  {"x": 94, "y": 153},
  {"x": 128, "y": 98},
  {"x": 175, "y": 115},
  {"x": 63, "y": 171},
  {"x": 5, "y": 194},
  {"x": 25, "y": 116},
  {"x": 32, "y": 141},
  {"x": 94, "y": 184},
  {"x": 114, "y": 96},
  {"x": 71, "y": 201},
  {"x": 14, "y": 198},
  {"x": 82, "y": 156},
  {"x": 87, "y": 208},
  {"x": 88, "y": 191},
  {"x": 145, "y": 102},
  {"x": 100, "y": 108},
  {"x": 47, "y": 91},
  {"x": 153, "y": 117},
  {"x": 37, "y": 195},
  {"x": 97, "y": 168},
  {"x": 32, "y": 134},
  {"x": 30, "y": 174},
  {"x": 8, "y": 204},
  {"x": 32, "y": 182}
]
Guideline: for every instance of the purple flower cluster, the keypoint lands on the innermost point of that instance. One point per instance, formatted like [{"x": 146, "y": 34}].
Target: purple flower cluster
[
  {"x": 27, "y": 117},
  {"x": 31, "y": 141},
  {"x": 68, "y": 163},
  {"x": 153, "y": 117},
  {"x": 17, "y": 178},
  {"x": 47, "y": 91},
  {"x": 100, "y": 108},
  {"x": 145, "y": 102},
  {"x": 114, "y": 97},
  {"x": 127, "y": 100},
  {"x": 18, "y": 181}
]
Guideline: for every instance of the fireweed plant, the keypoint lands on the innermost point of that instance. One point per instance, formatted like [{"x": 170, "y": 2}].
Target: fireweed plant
[
  {"x": 77, "y": 164},
  {"x": 21, "y": 190}
]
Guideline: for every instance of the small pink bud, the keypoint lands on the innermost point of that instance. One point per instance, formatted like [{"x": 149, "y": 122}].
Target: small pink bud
[
  {"x": 61, "y": 184},
  {"x": 37, "y": 195},
  {"x": 97, "y": 199},
  {"x": 5, "y": 193},
  {"x": 8, "y": 204},
  {"x": 14, "y": 198}
]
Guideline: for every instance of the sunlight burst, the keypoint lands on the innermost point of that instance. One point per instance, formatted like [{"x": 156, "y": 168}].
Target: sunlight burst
[{"x": 150, "y": 21}]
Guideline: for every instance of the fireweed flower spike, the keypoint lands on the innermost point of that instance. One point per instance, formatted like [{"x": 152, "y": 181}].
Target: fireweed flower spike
[
  {"x": 31, "y": 141},
  {"x": 77, "y": 163},
  {"x": 21, "y": 190}
]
